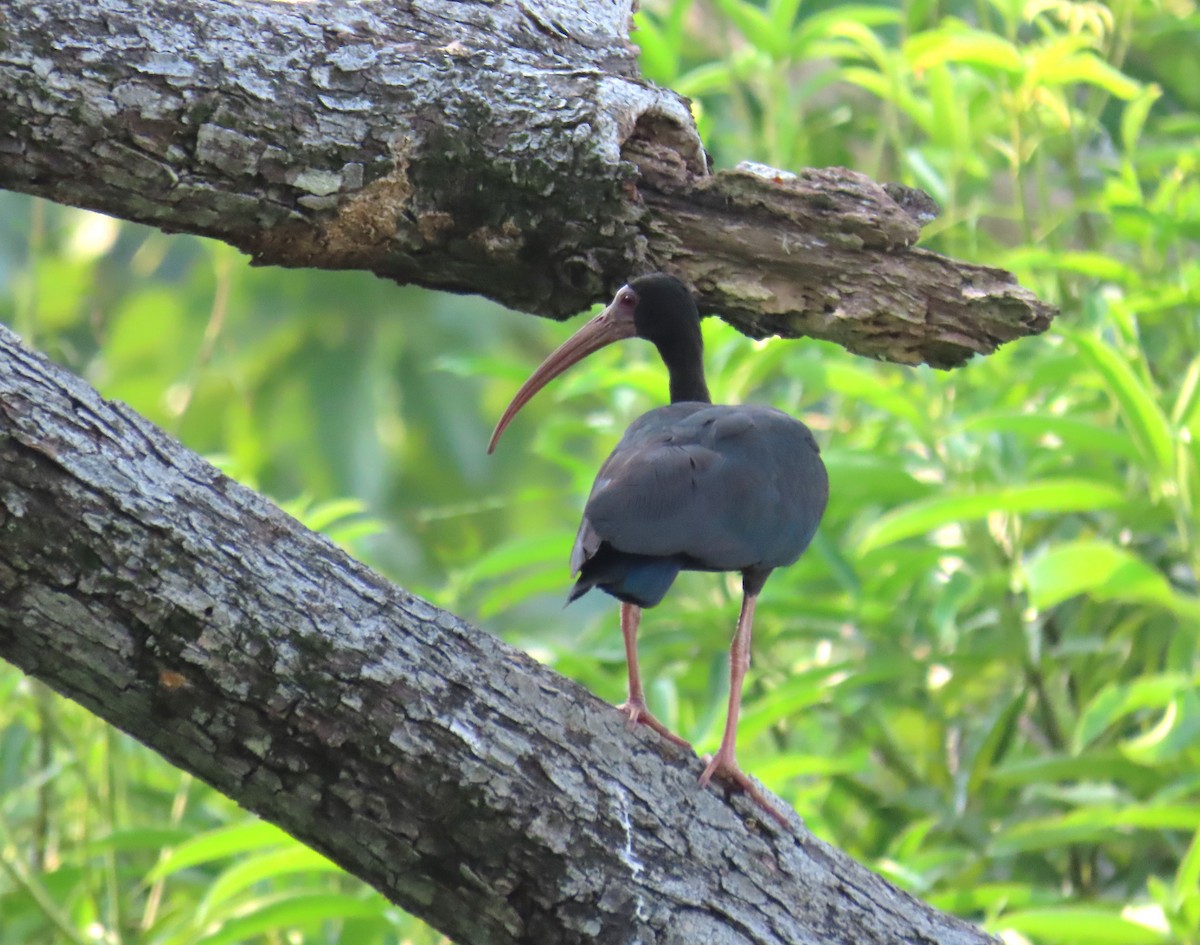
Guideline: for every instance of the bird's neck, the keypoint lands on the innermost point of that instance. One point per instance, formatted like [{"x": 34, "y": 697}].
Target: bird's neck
[
  {"x": 689, "y": 388},
  {"x": 684, "y": 359},
  {"x": 685, "y": 366}
]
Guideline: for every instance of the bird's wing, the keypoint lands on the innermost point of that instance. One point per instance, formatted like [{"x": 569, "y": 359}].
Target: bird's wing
[
  {"x": 727, "y": 487},
  {"x": 587, "y": 543}
]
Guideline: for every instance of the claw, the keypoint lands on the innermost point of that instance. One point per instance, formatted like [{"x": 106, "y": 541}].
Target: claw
[
  {"x": 724, "y": 767},
  {"x": 636, "y": 712}
]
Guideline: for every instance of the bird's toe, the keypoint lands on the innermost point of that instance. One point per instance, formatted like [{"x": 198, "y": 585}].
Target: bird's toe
[
  {"x": 724, "y": 767},
  {"x": 636, "y": 712}
]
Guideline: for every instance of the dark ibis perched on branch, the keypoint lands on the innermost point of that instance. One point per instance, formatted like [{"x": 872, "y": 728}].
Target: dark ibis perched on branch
[{"x": 692, "y": 486}]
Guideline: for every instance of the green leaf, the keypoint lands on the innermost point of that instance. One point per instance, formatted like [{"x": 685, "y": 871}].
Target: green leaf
[
  {"x": 861, "y": 383},
  {"x": 984, "y": 897},
  {"x": 801, "y": 691},
  {"x": 1074, "y": 435},
  {"x": 1137, "y": 403},
  {"x": 705, "y": 80},
  {"x": 219, "y": 844},
  {"x": 1108, "y": 765},
  {"x": 1087, "y": 68},
  {"x": 870, "y": 79},
  {"x": 828, "y": 24},
  {"x": 781, "y": 768},
  {"x": 302, "y": 910},
  {"x": 1084, "y": 925},
  {"x": 755, "y": 26},
  {"x": 1116, "y": 701},
  {"x": 783, "y": 13},
  {"x": 864, "y": 40},
  {"x": 1093, "y": 825},
  {"x": 995, "y": 745},
  {"x": 1065, "y": 59},
  {"x": 1187, "y": 876},
  {"x": 1134, "y": 115},
  {"x": 1189, "y": 395},
  {"x": 320, "y": 516},
  {"x": 1175, "y": 734},
  {"x": 256, "y": 869},
  {"x": 1048, "y": 495},
  {"x": 960, "y": 44},
  {"x": 1104, "y": 571},
  {"x": 658, "y": 60},
  {"x": 138, "y": 839},
  {"x": 872, "y": 478},
  {"x": 517, "y": 590},
  {"x": 547, "y": 549},
  {"x": 1097, "y": 265}
]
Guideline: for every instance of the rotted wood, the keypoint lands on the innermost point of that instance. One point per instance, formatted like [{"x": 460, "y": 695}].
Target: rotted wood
[
  {"x": 469, "y": 784},
  {"x": 501, "y": 147}
]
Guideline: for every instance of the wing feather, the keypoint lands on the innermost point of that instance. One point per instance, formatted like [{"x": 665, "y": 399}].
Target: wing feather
[{"x": 728, "y": 487}]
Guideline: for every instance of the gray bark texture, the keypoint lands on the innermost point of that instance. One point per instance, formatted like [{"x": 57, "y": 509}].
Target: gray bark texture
[
  {"x": 501, "y": 147},
  {"x": 472, "y": 786}
]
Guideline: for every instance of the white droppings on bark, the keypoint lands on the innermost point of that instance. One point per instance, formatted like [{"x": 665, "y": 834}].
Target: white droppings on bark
[{"x": 627, "y": 855}]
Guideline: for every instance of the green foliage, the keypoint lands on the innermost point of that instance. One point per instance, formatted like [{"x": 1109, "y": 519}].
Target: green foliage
[{"x": 982, "y": 678}]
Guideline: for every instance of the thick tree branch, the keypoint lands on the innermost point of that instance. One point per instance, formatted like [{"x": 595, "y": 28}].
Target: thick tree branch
[
  {"x": 505, "y": 147},
  {"x": 471, "y": 785}
]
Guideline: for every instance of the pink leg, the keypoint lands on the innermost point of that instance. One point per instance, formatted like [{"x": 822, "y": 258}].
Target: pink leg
[
  {"x": 724, "y": 763},
  {"x": 635, "y": 706}
]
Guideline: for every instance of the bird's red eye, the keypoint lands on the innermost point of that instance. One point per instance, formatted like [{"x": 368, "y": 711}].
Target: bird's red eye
[{"x": 628, "y": 298}]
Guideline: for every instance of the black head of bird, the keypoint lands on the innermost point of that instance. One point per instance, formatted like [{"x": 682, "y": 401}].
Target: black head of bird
[{"x": 690, "y": 486}]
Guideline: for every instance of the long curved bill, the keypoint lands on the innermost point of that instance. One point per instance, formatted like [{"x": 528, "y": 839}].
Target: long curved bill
[{"x": 613, "y": 324}]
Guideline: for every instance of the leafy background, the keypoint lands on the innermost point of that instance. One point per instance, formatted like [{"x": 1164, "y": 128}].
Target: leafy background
[{"x": 980, "y": 681}]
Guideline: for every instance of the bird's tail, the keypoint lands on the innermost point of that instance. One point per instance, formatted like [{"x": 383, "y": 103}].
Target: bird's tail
[
  {"x": 581, "y": 587},
  {"x": 635, "y": 579}
]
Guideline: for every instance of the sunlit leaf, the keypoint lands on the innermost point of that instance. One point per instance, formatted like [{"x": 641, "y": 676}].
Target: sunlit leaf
[
  {"x": 961, "y": 44},
  {"x": 978, "y": 897},
  {"x": 1187, "y": 877},
  {"x": 754, "y": 25},
  {"x": 705, "y": 80},
  {"x": 1077, "y": 925},
  {"x": 1092, "y": 766},
  {"x": 248, "y": 871},
  {"x": 235, "y": 840},
  {"x": 1066, "y": 59},
  {"x": 658, "y": 59},
  {"x": 142, "y": 838},
  {"x": 1138, "y": 404},
  {"x": 1067, "y": 434},
  {"x": 303, "y": 910},
  {"x": 1188, "y": 400},
  {"x": 1133, "y": 118},
  {"x": 1054, "y": 496},
  {"x": 801, "y": 691},
  {"x": 826, "y": 23},
  {"x": 1106, "y": 572},
  {"x": 1115, "y": 702}
]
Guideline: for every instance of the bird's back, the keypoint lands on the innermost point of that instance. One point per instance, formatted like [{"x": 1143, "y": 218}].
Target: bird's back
[{"x": 708, "y": 487}]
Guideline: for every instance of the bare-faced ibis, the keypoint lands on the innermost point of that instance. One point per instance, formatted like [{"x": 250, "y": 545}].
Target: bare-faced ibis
[{"x": 692, "y": 486}]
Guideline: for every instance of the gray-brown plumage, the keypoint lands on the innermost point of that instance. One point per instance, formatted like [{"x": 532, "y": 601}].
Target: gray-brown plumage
[{"x": 690, "y": 486}]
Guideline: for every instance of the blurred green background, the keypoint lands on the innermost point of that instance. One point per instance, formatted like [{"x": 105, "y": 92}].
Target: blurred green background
[{"x": 981, "y": 679}]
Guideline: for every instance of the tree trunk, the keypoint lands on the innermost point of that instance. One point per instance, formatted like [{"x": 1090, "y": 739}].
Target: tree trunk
[
  {"x": 472, "y": 786},
  {"x": 504, "y": 147}
]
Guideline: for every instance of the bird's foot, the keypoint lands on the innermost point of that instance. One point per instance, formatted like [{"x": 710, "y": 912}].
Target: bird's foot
[
  {"x": 636, "y": 712},
  {"x": 724, "y": 767}
]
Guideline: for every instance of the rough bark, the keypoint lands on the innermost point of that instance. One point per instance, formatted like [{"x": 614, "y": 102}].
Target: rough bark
[
  {"x": 472, "y": 786},
  {"x": 504, "y": 147}
]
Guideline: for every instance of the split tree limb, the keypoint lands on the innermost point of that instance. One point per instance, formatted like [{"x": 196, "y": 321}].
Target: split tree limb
[
  {"x": 502, "y": 147},
  {"x": 477, "y": 789}
]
